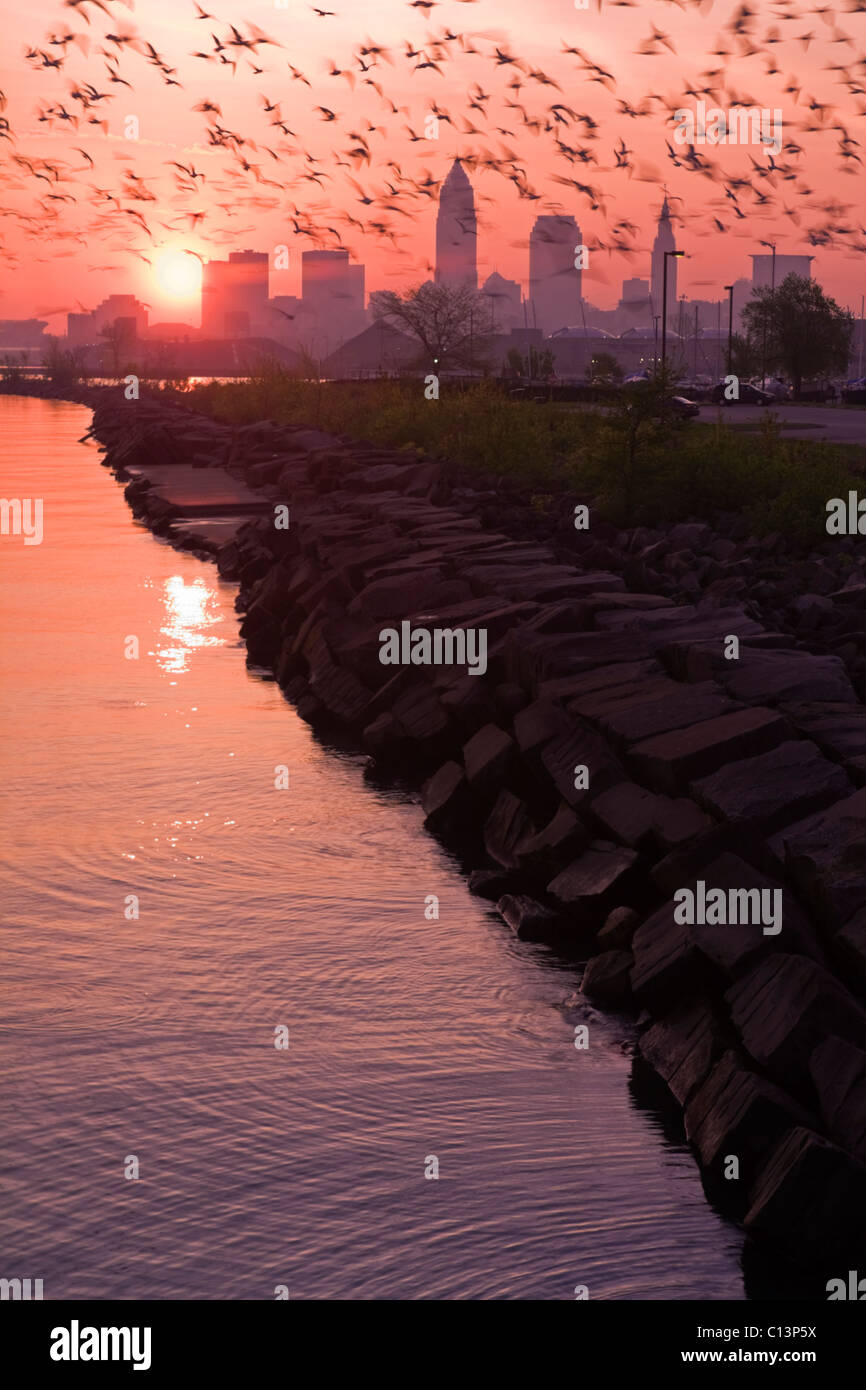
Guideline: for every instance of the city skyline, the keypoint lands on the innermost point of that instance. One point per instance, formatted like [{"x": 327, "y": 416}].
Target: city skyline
[{"x": 133, "y": 154}]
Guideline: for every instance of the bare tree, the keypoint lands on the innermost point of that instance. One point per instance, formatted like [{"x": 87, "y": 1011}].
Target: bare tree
[{"x": 452, "y": 324}]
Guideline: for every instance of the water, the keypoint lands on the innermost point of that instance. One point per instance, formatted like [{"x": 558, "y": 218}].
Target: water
[{"x": 260, "y": 908}]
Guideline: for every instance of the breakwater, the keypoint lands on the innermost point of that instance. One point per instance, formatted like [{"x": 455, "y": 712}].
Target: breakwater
[{"x": 633, "y": 777}]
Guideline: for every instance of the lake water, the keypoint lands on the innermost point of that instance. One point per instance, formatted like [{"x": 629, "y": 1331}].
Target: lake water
[{"x": 151, "y": 1040}]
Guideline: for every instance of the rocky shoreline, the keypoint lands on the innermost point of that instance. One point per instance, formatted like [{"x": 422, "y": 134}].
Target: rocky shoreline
[{"x": 663, "y": 714}]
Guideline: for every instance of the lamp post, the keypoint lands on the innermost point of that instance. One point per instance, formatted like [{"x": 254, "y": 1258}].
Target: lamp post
[
  {"x": 772, "y": 246},
  {"x": 665, "y": 302},
  {"x": 730, "y": 290},
  {"x": 655, "y": 341}
]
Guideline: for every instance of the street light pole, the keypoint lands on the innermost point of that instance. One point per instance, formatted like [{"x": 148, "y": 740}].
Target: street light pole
[
  {"x": 665, "y": 301},
  {"x": 730, "y": 290},
  {"x": 772, "y": 245}
]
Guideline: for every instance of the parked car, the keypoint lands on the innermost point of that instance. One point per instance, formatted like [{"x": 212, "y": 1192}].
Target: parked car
[
  {"x": 683, "y": 407},
  {"x": 747, "y": 395}
]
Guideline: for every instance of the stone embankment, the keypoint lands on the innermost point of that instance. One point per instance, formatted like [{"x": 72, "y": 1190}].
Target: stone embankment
[{"x": 620, "y": 748}]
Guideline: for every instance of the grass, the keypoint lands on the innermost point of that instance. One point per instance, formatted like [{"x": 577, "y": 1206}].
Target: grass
[{"x": 677, "y": 471}]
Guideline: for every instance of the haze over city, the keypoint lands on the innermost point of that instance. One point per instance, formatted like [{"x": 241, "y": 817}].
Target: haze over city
[{"x": 205, "y": 133}]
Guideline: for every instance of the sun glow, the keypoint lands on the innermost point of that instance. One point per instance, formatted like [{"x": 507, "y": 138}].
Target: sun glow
[{"x": 178, "y": 273}]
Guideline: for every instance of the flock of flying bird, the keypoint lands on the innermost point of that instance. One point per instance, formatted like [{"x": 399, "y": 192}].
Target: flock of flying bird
[{"x": 508, "y": 119}]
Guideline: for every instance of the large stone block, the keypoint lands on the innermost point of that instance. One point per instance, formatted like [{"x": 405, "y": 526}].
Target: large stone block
[
  {"x": 682, "y": 1047},
  {"x": 838, "y": 1070},
  {"x": 810, "y": 1198},
  {"x": 669, "y": 762},
  {"x": 735, "y": 1112},
  {"x": 599, "y": 879},
  {"x": 784, "y": 1006},
  {"x": 773, "y": 789},
  {"x": 826, "y": 857}
]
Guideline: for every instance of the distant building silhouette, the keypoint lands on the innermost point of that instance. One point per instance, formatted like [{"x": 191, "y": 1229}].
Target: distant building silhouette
[
  {"x": 234, "y": 296},
  {"x": 87, "y": 328},
  {"x": 332, "y": 298},
  {"x": 555, "y": 288},
  {"x": 664, "y": 241},
  {"x": 506, "y": 302},
  {"x": 456, "y": 231},
  {"x": 635, "y": 295},
  {"x": 22, "y": 333},
  {"x": 763, "y": 275}
]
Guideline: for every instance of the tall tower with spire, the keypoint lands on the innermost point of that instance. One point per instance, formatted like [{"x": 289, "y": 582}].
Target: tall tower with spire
[
  {"x": 664, "y": 241},
  {"x": 456, "y": 231}
]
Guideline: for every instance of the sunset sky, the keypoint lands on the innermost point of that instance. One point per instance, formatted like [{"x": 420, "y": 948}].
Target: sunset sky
[{"x": 72, "y": 232}]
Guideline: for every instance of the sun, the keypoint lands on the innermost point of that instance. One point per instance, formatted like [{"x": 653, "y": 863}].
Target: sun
[{"x": 178, "y": 273}]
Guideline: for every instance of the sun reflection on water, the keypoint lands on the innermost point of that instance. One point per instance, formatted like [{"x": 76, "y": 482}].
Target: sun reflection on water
[{"x": 190, "y": 610}]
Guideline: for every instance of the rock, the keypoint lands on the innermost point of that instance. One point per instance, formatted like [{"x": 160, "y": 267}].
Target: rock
[
  {"x": 383, "y": 738},
  {"x": 826, "y": 858},
  {"x": 621, "y": 679},
  {"x": 770, "y": 677},
  {"x": 445, "y": 798},
  {"x": 606, "y": 979},
  {"x": 509, "y": 699},
  {"x": 671, "y": 761},
  {"x": 773, "y": 789},
  {"x": 838, "y": 729},
  {"x": 665, "y": 949},
  {"x": 536, "y": 725},
  {"x": 812, "y": 610},
  {"x": 850, "y": 946},
  {"x": 809, "y": 1198},
  {"x": 602, "y": 875},
  {"x": 487, "y": 756},
  {"x": 642, "y": 819},
  {"x": 534, "y": 658},
  {"x": 735, "y": 1112},
  {"x": 528, "y": 919},
  {"x": 507, "y": 825},
  {"x": 392, "y": 600},
  {"x": 674, "y": 708},
  {"x": 490, "y": 883},
  {"x": 783, "y": 1007},
  {"x": 677, "y": 821},
  {"x": 838, "y": 1071},
  {"x": 339, "y": 691},
  {"x": 580, "y": 747},
  {"x": 682, "y": 1047},
  {"x": 547, "y": 850},
  {"x": 618, "y": 929}
]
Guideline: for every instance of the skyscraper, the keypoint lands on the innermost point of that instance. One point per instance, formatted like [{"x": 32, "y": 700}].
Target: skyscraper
[
  {"x": 769, "y": 271},
  {"x": 333, "y": 296},
  {"x": 234, "y": 295},
  {"x": 554, "y": 281},
  {"x": 456, "y": 231},
  {"x": 664, "y": 242}
]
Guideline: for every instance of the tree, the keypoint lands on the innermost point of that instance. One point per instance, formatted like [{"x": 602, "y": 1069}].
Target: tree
[
  {"x": 605, "y": 368},
  {"x": 450, "y": 323},
  {"x": 807, "y": 333},
  {"x": 638, "y": 430},
  {"x": 118, "y": 339},
  {"x": 745, "y": 356},
  {"x": 63, "y": 365}
]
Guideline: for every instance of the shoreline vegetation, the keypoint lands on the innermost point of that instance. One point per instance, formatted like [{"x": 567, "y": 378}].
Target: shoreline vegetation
[{"x": 635, "y": 470}]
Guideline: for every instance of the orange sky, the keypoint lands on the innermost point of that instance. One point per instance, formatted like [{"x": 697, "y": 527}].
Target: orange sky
[{"x": 76, "y": 233}]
